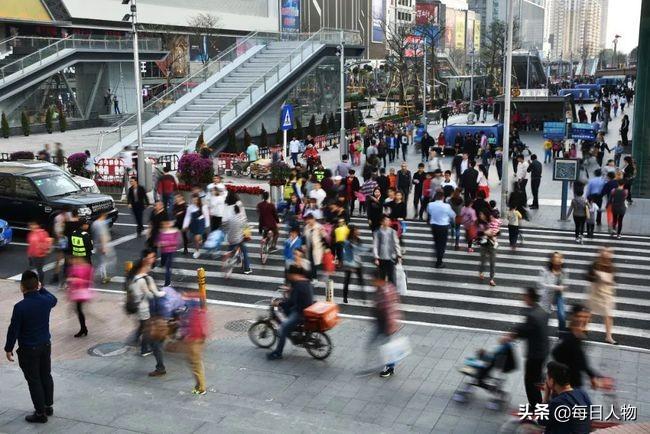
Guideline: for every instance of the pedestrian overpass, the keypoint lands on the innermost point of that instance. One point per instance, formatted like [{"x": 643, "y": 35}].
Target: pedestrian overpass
[
  {"x": 27, "y": 62},
  {"x": 228, "y": 92}
]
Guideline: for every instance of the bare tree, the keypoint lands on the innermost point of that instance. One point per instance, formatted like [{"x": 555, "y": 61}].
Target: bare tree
[
  {"x": 175, "y": 64},
  {"x": 493, "y": 50},
  {"x": 204, "y": 27},
  {"x": 399, "y": 56}
]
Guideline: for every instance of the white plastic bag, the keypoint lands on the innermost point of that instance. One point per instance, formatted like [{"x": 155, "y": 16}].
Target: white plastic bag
[
  {"x": 400, "y": 279},
  {"x": 395, "y": 350}
]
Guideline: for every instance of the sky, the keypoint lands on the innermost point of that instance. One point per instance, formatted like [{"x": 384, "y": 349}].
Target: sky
[{"x": 623, "y": 19}]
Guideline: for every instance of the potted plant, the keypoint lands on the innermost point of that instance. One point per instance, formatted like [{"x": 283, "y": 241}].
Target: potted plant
[
  {"x": 195, "y": 170},
  {"x": 280, "y": 172},
  {"x": 77, "y": 164},
  {"x": 4, "y": 126},
  {"x": 48, "y": 120},
  {"x": 63, "y": 123},
  {"x": 24, "y": 123}
]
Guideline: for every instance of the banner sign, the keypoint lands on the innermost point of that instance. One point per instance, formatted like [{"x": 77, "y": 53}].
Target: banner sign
[
  {"x": 378, "y": 20},
  {"x": 426, "y": 14},
  {"x": 290, "y": 16},
  {"x": 554, "y": 130},
  {"x": 583, "y": 132}
]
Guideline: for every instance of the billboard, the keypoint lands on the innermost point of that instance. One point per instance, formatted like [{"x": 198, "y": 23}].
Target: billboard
[
  {"x": 290, "y": 16},
  {"x": 450, "y": 27},
  {"x": 28, "y": 10},
  {"x": 378, "y": 20},
  {"x": 426, "y": 14},
  {"x": 459, "y": 40},
  {"x": 477, "y": 35},
  {"x": 414, "y": 46}
]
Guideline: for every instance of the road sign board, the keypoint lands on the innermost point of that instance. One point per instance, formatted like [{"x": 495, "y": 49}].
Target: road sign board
[
  {"x": 286, "y": 119},
  {"x": 583, "y": 131},
  {"x": 554, "y": 130}
]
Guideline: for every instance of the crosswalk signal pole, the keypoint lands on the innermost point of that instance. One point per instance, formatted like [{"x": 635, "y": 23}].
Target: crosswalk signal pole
[{"x": 506, "y": 113}]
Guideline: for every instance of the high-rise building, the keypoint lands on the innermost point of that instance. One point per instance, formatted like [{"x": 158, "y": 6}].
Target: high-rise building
[
  {"x": 604, "y": 6},
  {"x": 575, "y": 29},
  {"x": 530, "y": 14}
]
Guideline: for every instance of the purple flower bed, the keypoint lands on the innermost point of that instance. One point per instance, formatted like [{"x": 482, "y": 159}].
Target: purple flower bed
[
  {"x": 76, "y": 163},
  {"x": 195, "y": 170}
]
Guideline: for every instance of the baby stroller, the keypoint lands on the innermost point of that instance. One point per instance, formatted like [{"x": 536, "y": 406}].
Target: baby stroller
[{"x": 486, "y": 371}]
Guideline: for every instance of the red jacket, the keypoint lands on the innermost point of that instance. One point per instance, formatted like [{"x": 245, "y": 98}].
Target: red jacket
[
  {"x": 39, "y": 243},
  {"x": 268, "y": 215},
  {"x": 166, "y": 184}
]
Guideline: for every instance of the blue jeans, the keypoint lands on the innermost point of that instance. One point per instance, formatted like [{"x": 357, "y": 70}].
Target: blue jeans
[
  {"x": 244, "y": 254},
  {"x": 166, "y": 259},
  {"x": 548, "y": 155},
  {"x": 288, "y": 325},
  {"x": 561, "y": 316}
]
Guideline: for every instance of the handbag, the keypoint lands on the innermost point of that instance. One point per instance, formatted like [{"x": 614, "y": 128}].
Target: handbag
[
  {"x": 157, "y": 328},
  {"x": 400, "y": 278},
  {"x": 395, "y": 350}
]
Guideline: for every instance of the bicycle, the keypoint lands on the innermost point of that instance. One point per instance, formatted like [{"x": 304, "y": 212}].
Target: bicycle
[{"x": 264, "y": 332}]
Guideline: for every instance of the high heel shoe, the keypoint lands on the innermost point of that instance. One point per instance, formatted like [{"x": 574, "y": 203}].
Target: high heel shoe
[{"x": 81, "y": 333}]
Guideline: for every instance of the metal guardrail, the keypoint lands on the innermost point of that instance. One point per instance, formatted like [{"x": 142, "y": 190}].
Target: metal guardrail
[
  {"x": 77, "y": 43},
  {"x": 323, "y": 36}
]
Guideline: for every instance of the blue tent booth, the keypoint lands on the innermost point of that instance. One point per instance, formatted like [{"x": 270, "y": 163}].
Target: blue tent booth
[{"x": 488, "y": 128}]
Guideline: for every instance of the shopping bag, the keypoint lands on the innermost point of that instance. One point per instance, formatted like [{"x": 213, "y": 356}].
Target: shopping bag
[
  {"x": 395, "y": 350},
  {"x": 400, "y": 278},
  {"x": 610, "y": 216}
]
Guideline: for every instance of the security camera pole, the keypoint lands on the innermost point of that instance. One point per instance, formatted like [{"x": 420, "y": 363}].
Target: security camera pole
[{"x": 138, "y": 90}]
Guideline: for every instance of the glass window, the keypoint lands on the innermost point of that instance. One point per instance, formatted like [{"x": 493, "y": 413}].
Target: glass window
[
  {"x": 25, "y": 189},
  {"x": 56, "y": 184},
  {"x": 7, "y": 186}
]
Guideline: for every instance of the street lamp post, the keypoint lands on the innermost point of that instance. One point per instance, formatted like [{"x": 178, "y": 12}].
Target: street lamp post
[
  {"x": 471, "y": 82},
  {"x": 138, "y": 90},
  {"x": 342, "y": 144},
  {"x": 506, "y": 114},
  {"x": 424, "y": 86}
]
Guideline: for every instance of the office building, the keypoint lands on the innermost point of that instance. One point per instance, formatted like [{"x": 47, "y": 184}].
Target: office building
[{"x": 401, "y": 12}]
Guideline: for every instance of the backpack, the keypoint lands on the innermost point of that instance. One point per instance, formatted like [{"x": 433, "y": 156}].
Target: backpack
[{"x": 132, "y": 304}]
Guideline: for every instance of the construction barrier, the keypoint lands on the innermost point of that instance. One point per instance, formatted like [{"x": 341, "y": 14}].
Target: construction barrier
[{"x": 110, "y": 170}]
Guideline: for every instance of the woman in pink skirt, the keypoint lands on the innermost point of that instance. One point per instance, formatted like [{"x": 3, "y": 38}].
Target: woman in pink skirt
[{"x": 80, "y": 275}]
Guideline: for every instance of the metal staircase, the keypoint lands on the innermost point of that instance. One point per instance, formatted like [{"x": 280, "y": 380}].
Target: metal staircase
[{"x": 267, "y": 63}]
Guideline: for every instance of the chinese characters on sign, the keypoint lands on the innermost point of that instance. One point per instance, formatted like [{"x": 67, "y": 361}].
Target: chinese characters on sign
[
  {"x": 426, "y": 14},
  {"x": 564, "y": 413}
]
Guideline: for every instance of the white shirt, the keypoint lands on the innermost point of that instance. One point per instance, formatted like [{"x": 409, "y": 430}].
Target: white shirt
[
  {"x": 464, "y": 164},
  {"x": 522, "y": 171},
  {"x": 294, "y": 146},
  {"x": 217, "y": 204},
  {"x": 319, "y": 195},
  {"x": 450, "y": 183}
]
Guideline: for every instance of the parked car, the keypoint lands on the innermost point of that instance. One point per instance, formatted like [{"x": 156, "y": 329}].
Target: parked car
[
  {"x": 6, "y": 233},
  {"x": 33, "y": 190}
]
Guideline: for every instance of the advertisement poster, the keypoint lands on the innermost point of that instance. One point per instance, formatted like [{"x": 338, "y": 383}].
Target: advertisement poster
[
  {"x": 378, "y": 18},
  {"x": 459, "y": 41},
  {"x": 426, "y": 14},
  {"x": 477, "y": 35},
  {"x": 450, "y": 28},
  {"x": 414, "y": 47},
  {"x": 290, "y": 15}
]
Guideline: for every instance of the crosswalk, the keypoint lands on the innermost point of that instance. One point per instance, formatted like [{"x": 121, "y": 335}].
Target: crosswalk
[{"x": 455, "y": 295}]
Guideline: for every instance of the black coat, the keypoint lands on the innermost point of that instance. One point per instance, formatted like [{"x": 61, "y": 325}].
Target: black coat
[
  {"x": 137, "y": 197},
  {"x": 469, "y": 179}
]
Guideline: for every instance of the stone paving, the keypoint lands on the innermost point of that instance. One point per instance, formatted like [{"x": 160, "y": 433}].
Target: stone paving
[{"x": 297, "y": 394}]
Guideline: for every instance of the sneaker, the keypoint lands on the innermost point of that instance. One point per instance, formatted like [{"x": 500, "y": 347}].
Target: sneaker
[
  {"x": 36, "y": 418},
  {"x": 157, "y": 373},
  {"x": 273, "y": 356},
  {"x": 248, "y": 271},
  {"x": 470, "y": 250},
  {"x": 197, "y": 391},
  {"x": 146, "y": 353},
  {"x": 387, "y": 372},
  {"x": 196, "y": 254}
]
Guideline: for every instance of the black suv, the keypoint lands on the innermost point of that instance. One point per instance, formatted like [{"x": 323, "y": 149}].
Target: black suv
[{"x": 31, "y": 191}]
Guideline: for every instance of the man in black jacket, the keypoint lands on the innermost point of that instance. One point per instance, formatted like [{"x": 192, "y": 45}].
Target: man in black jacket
[
  {"x": 383, "y": 183},
  {"x": 427, "y": 143},
  {"x": 535, "y": 170},
  {"x": 300, "y": 297},
  {"x": 30, "y": 326},
  {"x": 418, "y": 182},
  {"x": 469, "y": 181},
  {"x": 137, "y": 200},
  {"x": 535, "y": 331},
  {"x": 404, "y": 181}
]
